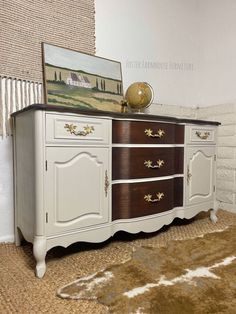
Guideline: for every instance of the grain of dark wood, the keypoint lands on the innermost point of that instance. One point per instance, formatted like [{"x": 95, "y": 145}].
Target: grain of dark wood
[
  {"x": 133, "y": 132},
  {"x": 128, "y": 162},
  {"x": 112, "y": 115},
  {"x": 128, "y": 198}
]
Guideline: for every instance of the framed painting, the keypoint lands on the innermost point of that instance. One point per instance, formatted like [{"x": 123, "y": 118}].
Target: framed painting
[{"x": 81, "y": 80}]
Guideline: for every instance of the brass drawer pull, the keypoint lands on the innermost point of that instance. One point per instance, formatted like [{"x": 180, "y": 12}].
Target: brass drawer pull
[
  {"x": 189, "y": 175},
  {"x": 203, "y": 136},
  {"x": 106, "y": 183},
  {"x": 158, "y": 165},
  {"x": 160, "y": 133},
  {"x": 72, "y": 129},
  {"x": 149, "y": 199}
]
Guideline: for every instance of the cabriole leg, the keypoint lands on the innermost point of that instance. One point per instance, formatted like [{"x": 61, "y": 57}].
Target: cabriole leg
[
  {"x": 18, "y": 236},
  {"x": 213, "y": 212},
  {"x": 39, "y": 250}
]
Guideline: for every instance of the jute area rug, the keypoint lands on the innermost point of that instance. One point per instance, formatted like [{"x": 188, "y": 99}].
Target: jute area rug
[{"x": 180, "y": 276}]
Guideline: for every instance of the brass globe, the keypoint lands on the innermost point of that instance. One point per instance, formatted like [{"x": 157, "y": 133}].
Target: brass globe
[{"x": 139, "y": 95}]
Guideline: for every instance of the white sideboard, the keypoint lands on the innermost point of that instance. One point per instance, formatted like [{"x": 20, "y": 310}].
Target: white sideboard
[{"x": 84, "y": 175}]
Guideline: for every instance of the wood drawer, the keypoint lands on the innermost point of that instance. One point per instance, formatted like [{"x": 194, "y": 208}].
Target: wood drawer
[
  {"x": 140, "y": 132},
  {"x": 146, "y": 162},
  {"x": 130, "y": 200},
  {"x": 70, "y": 129},
  {"x": 196, "y": 134}
]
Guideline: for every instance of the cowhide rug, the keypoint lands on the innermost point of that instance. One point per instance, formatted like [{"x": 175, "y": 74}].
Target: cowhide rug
[{"x": 186, "y": 276}]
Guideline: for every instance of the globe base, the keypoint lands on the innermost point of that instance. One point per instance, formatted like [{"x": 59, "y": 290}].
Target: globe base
[{"x": 136, "y": 110}]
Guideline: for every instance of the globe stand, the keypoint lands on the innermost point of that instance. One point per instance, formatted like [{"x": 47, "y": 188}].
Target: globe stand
[
  {"x": 125, "y": 108},
  {"x": 138, "y": 111}
]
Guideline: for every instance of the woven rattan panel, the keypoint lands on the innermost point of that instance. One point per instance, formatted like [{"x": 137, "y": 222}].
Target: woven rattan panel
[{"x": 25, "y": 24}]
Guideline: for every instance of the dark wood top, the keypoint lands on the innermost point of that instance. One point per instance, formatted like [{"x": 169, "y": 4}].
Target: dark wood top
[{"x": 113, "y": 115}]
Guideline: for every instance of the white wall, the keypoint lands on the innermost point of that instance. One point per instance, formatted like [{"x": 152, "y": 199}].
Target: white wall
[
  {"x": 156, "y": 41},
  {"x": 6, "y": 191},
  {"x": 184, "y": 48},
  {"x": 217, "y": 72}
]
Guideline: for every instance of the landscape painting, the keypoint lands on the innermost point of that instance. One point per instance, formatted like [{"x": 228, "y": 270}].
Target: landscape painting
[{"x": 81, "y": 80}]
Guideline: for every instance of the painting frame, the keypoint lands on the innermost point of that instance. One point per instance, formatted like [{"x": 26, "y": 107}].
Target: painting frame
[{"x": 81, "y": 80}]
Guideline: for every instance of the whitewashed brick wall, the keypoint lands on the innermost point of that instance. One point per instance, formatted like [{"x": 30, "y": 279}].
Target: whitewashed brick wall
[
  {"x": 226, "y": 150},
  {"x": 172, "y": 110}
]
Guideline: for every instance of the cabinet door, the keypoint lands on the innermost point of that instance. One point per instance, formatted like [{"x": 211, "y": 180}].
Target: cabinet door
[
  {"x": 200, "y": 174},
  {"x": 76, "y": 188}
]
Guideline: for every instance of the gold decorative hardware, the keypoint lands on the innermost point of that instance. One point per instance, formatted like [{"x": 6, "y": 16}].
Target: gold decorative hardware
[
  {"x": 203, "y": 136},
  {"x": 159, "y": 164},
  {"x": 124, "y": 106},
  {"x": 149, "y": 199},
  {"x": 72, "y": 129},
  {"x": 160, "y": 133},
  {"x": 106, "y": 184},
  {"x": 189, "y": 175}
]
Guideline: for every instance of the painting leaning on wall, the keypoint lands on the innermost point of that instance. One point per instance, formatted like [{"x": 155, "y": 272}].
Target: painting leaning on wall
[{"x": 81, "y": 80}]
